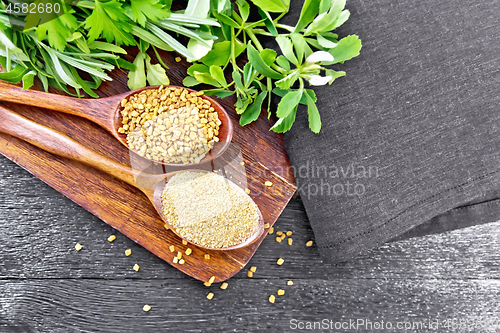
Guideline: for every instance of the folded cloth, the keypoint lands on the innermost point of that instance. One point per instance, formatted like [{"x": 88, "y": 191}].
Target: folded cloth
[{"x": 411, "y": 133}]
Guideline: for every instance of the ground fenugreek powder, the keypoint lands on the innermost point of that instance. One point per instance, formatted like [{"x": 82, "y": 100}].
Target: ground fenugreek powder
[
  {"x": 170, "y": 125},
  {"x": 209, "y": 210}
]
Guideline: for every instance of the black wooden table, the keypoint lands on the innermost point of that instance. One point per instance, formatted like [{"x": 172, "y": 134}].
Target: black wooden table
[{"x": 451, "y": 280}]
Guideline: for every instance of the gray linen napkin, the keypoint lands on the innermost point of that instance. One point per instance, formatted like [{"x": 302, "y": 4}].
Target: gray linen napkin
[{"x": 411, "y": 136}]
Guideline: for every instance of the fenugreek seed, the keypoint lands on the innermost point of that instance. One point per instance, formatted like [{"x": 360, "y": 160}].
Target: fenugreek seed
[
  {"x": 290, "y": 241},
  {"x": 184, "y": 242},
  {"x": 253, "y": 269},
  {"x": 179, "y": 255},
  {"x": 247, "y": 191},
  {"x": 207, "y": 284},
  {"x": 78, "y": 246},
  {"x": 212, "y": 279},
  {"x": 309, "y": 243},
  {"x": 224, "y": 285},
  {"x": 279, "y": 239},
  {"x": 266, "y": 225},
  {"x": 242, "y": 163},
  {"x": 281, "y": 292},
  {"x": 146, "y": 308},
  {"x": 268, "y": 183},
  {"x": 136, "y": 267},
  {"x": 271, "y": 231},
  {"x": 181, "y": 262},
  {"x": 279, "y": 233},
  {"x": 280, "y": 261},
  {"x": 210, "y": 295},
  {"x": 178, "y": 59},
  {"x": 283, "y": 236},
  {"x": 175, "y": 260},
  {"x": 272, "y": 299},
  {"x": 207, "y": 256},
  {"x": 250, "y": 274},
  {"x": 188, "y": 251},
  {"x": 289, "y": 283},
  {"x": 128, "y": 252},
  {"x": 166, "y": 226},
  {"x": 111, "y": 238},
  {"x": 172, "y": 248},
  {"x": 289, "y": 233}
]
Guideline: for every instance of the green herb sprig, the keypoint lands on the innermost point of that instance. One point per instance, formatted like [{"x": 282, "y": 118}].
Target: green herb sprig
[
  {"x": 306, "y": 48},
  {"x": 78, "y": 48}
]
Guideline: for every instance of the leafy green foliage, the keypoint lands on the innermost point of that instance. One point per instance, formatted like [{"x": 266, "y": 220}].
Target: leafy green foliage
[
  {"x": 59, "y": 50},
  {"x": 305, "y": 49}
]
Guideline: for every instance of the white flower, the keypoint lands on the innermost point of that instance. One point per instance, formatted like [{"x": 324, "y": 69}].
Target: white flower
[
  {"x": 318, "y": 80},
  {"x": 319, "y": 56}
]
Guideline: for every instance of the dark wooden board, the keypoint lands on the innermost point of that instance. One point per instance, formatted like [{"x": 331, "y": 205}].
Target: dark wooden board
[{"x": 126, "y": 208}]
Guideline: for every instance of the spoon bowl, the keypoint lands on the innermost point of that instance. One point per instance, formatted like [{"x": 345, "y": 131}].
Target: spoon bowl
[
  {"x": 105, "y": 112},
  {"x": 59, "y": 144}
]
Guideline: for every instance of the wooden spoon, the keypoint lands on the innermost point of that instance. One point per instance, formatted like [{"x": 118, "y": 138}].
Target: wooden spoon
[
  {"x": 57, "y": 143},
  {"x": 105, "y": 112}
]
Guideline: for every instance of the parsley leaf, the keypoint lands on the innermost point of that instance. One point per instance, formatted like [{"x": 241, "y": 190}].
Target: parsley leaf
[{"x": 110, "y": 20}]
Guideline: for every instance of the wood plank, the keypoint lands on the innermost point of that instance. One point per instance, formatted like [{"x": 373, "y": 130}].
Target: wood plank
[
  {"x": 180, "y": 306},
  {"x": 40, "y": 228},
  {"x": 125, "y": 208}
]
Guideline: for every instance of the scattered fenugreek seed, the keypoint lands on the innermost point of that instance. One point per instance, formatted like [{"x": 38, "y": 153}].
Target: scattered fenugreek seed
[
  {"x": 278, "y": 239},
  {"x": 179, "y": 255},
  {"x": 178, "y": 59},
  {"x": 247, "y": 191},
  {"x": 283, "y": 236},
  {"x": 272, "y": 299},
  {"x": 310, "y": 243},
  {"x": 209, "y": 210},
  {"x": 253, "y": 269},
  {"x": 188, "y": 251},
  {"x": 250, "y": 274},
  {"x": 268, "y": 183},
  {"x": 172, "y": 248},
  {"x": 184, "y": 242},
  {"x": 281, "y": 292},
  {"x": 111, "y": 238},
  {"x": 266, "y": 225},
  {"x": 128, "y": 252},
  {"x": 207, "y": 256},
  {"x": 289, "y": 283},
  {"x": 78, "y": 246},
  {"x": 279, "y": 233},
  {"x": 175, "y": 260},
  {"x": 224, "y": 285},
  {"x": 136, "y": 267},
  {"x": 210, "y": 295},
  {"x": 289, "y": 233},
  {"x": 271, "y": 230},
  {"x": 280, "y": 261},
  {"x": 212, "y": 279},
  {"x": 290, "y": 241},
  {"x": 182, "y": 261},
  {"x": 242, "y": 163},
  {"x": 166, "y": 226},
  {"x": 207, "y": 284},
  {"x": 146, "y": 308}
]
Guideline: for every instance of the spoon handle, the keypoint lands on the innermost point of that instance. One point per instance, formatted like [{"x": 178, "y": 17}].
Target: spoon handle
[
  {"x": 97, "y": 111},
  {"x": 57, "y": 143}
]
